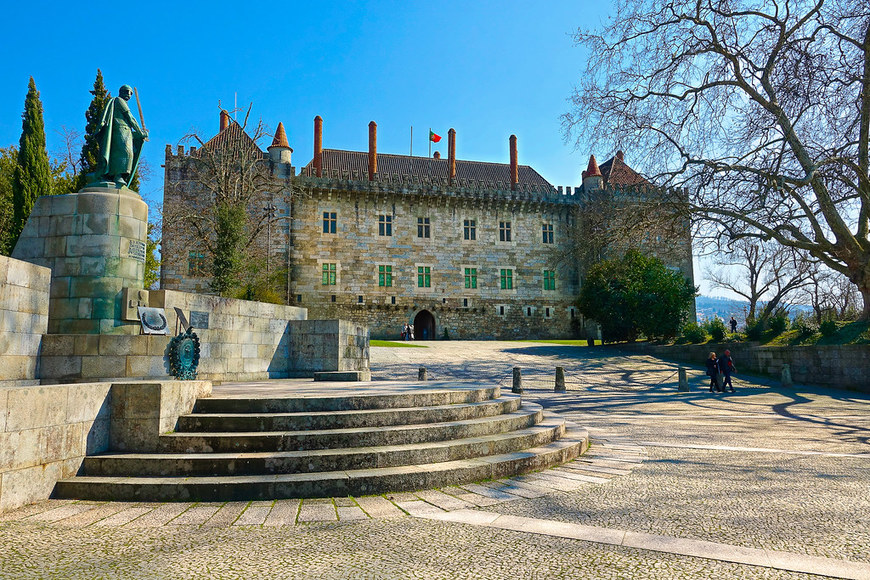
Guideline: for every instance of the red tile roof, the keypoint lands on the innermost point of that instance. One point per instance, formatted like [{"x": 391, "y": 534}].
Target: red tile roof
[
  {"x": 616, "y": 172},
  {"x": 232, "y": 134},
  {"x": 421, "y": 168}
]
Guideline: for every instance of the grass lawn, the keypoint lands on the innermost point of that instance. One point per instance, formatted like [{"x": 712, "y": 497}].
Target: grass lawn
[
  {"x": 568, "y": 342},
  {"x": 392, "y": 344}
]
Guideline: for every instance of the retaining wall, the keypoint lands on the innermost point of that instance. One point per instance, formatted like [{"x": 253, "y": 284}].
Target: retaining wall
[
  {"x": 24, "y": 296},
  {"x": 843, "y": 366},
  {"x": 46, "y": 431}
]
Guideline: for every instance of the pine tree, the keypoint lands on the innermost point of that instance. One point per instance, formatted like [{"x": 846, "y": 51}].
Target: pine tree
[
  {"x": 33, "y": 174},
  {"x": 91, "y": 149}
]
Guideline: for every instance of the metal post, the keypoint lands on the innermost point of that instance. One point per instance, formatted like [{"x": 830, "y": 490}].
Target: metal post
[{"x": 518, "y": 381}]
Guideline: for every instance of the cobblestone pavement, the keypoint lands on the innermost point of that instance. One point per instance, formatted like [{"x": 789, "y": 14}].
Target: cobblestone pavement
[{"x": 763, "y": 469}]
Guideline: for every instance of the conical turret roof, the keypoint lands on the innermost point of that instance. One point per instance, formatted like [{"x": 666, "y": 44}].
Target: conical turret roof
[{"x": 280, "y": 139}]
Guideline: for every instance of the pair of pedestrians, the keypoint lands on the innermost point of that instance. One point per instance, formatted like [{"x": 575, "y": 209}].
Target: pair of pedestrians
[{"x": 719, "y": 369}]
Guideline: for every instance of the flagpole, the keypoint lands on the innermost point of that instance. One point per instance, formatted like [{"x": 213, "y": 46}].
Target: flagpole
[
  {"x": 430, "y": 142},
  {"x": 411, "y": 154}
]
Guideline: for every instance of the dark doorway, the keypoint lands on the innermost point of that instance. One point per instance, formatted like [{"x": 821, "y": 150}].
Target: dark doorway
[{"x": 424, "y": 326}]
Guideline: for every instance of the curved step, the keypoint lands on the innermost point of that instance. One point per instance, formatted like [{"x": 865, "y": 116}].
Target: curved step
[
  {"x": 526, "y": 416},
  {"x": 325, "y": 484},
  {"x": 261, "y": 463},
  {"x": 248, "y": 422},
  {"x": 446, "y": 393}
]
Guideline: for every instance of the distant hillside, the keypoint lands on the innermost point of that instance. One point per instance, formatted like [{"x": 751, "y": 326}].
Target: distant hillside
[{"x": 725, "y": 308}]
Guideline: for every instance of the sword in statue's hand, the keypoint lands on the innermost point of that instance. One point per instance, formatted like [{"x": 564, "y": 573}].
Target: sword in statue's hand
[{"x": 141, "y": 118}]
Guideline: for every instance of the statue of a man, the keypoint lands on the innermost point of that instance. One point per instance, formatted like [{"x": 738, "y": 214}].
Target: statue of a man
[{"x": 120, "y": 141}]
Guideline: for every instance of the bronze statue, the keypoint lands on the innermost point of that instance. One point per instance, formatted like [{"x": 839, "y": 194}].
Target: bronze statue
[{"x": 120, "y": 141}]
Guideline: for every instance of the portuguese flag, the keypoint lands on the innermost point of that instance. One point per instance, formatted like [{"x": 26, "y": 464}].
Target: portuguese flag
[{"x": 433, "y": 137}]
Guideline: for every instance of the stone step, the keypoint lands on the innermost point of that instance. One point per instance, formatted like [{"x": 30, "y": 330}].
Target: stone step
[
  {"x": 234, "y": 422},
  {"x": 437, "y": 393},
  {"x": 200, "y": 464},
  {"x": 528, "y": 415},
  {"x": 325, "y": 484}
]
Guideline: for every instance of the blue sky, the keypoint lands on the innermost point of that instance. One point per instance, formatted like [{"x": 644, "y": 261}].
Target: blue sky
[{"x": 487, "y": 69}]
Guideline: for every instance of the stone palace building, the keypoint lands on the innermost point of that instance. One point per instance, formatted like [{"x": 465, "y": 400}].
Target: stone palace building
[{"x": 460, "y": 249}]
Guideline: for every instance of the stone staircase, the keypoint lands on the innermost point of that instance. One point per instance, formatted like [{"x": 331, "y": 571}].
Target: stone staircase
[{"x": 233, "y": 448}]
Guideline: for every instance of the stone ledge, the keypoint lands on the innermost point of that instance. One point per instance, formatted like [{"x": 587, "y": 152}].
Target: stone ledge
[{"x": 355, "y": 376}]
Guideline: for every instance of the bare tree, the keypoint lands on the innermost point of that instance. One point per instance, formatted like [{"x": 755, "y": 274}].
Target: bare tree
[
  {"x": 761, "y": 109},
  {"x": 831, "y": 296},
  {"x": 217, "y": 205},
  {"x": 765, "y": 272}
]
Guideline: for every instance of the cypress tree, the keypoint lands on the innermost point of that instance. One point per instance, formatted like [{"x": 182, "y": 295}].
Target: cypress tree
[
  {"x": 91, "y": 148},
  {"x": 33, "y": 174}
]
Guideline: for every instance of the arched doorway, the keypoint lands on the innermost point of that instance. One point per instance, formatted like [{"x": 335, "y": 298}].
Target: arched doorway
[{"x": 424, "y": 326}]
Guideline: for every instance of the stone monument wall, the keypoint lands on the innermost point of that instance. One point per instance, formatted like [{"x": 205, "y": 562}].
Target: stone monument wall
[
  {"x": 240, "y": 340},
  {"x": 24, "y": 295},
  {"x": 94, "y": 243}
]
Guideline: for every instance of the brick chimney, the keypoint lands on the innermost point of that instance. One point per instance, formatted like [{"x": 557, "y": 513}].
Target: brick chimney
[
  {"x": 451, "y": 155},
  {"x": 225, "y": 119},
  {"x": 373, "y": 150},
  {"x": 318, "y": 145},
  {"x": 515, "y": 171}
]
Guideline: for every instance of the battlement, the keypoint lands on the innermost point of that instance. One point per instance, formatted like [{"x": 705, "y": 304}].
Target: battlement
[{"x": 358, "y": 181}]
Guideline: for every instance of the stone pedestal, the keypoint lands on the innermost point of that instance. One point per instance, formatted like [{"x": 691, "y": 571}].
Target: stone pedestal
[{"x": 94, "y": 243}]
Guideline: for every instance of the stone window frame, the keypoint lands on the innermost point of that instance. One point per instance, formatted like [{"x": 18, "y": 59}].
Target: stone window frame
[
  {"x": 547, "y": 233},
  {"x": 474, "y": 277},
  {"x": 548, "y": 312},
  {"x": 424, "y": 228},
  {"x": 469, "y": 229},
  {"x": 384, "y": 275},
  {"x": 424, "y": 276},
  {"x": 337, "y": 273},
  {"x": 196, "y": 266},
  {"x": 572, "y": 312},
  {"x": 549, "y": 280},
  {"x": 505, "y": 234},
  {"x": 329, "y": 222},
  {"x": 507, "y": 277},
  {"x": 502, "y": 309},
  {"x": 385, "y": 225}
]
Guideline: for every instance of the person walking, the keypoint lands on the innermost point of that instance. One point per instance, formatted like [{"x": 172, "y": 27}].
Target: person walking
[
  {"x": 713, "y": 372},
  {"x": 405, "y": 331},
  {"x": 726, "y": 367}
]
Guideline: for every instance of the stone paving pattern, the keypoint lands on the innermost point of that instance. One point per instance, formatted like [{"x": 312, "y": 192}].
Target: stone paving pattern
[{"x": 763, "y": 468}]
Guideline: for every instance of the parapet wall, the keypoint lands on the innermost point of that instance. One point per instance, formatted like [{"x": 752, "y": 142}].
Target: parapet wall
[
  {"x": 24, "y": 296},
  {"x": 843, "y": 366}
]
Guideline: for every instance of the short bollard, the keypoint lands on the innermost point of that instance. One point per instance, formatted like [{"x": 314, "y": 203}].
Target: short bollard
[
  {"x": 518, "y": 381},
  {"x": 683, "y": 381},
  {"x": 560, "y": 380},
  {"x": 421, "y": 374},
  {"x": 785, "y": 378}
]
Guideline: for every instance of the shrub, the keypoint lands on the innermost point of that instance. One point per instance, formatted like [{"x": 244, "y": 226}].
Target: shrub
[
  {"x": 778, "y": 323},
  {"x": 804, "y": 324},
  {"x": 754, "y": 328},
  {"x": 828, "y": 328},
  {"x": 692, "y": 332},
  {"x": 716, "y": 328}
]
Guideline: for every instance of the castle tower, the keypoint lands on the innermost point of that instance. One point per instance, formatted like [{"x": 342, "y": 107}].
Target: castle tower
[{"x": 592, "y": 178}]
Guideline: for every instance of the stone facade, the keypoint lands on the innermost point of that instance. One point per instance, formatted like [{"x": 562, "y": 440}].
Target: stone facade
[
  {"x": 459, "y": 249},
  {"x": 24, "y": 292}
]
